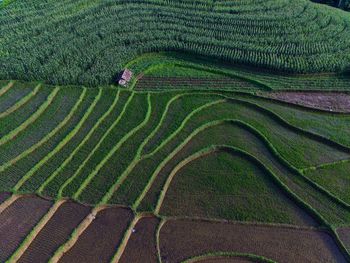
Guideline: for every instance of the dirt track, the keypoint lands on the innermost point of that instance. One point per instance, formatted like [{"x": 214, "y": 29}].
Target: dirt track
[{"x": 182, "y": 239}]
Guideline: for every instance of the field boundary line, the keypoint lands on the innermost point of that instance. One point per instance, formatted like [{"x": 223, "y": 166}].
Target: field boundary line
[
  {"x": 115, "y": 123},
  {"x": 74, "y": 237},
  {"x": 246, "y": 223},
  {"x": 295, "y": 170},
  {"x": 159, "y": 228},
  {"x": 63, "y": 142},
  {"x": 225, "y": 72},
  {"x": 114, "y": 150},
  {"x": 290, "y": 167},
  {"x": 329, "y": 196},
  {"x": 138, "y": 156},
  {"x": 324, "y": 165},
  {"x": 6, "y": 88},
  {"x": 21, "y": 102},
  {"x": 31, "y": 119},
  {"x": 272, "y": 175},
  {"x": 164, "y": 114},
  {"x": 8, "y": 202},
  {"x": 183, "y": 124},
  {"x": 82, "y": 143},
  {"x": 213, "y": 123},
  {"x": 296, "y": 129},
  {"x": 34, "y": 232},
  {"x": 301, "y": 107},
  {"x": 284, "y": 187},
  {"x": 165, "y": 160},
  {"x": 199, "y": 154},
  {"x": 133, "y": 163},
  {"x": 193, "y": 65},
  {"x": 35, "y": 146},
  {"x": 221, "y": 254},
  {"x": 121, "y": 248}
]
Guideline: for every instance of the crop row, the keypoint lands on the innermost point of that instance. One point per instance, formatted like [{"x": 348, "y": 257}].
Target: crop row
[
  {"x": 172, "y": 65},
  {"x": 270, "y": 35},
  {"x": 119, "y": 147}
]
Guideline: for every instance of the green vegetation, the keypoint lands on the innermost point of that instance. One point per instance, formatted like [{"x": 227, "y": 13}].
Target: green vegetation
[
  {"x": 332, "y": 126},
  {"x": 119, "y": 147},
  {"x": 334, "y": 177},
  {"x": 197, "y": 133},
  {"x": 294, "y": 36},
  {"x": 166, "y": 64},
  {"x": 226, "y": 185}
]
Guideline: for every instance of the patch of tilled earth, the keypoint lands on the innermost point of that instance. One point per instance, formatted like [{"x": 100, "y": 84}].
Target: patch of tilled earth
[
  {"x": 328, "y": 101},
  {"x": 183, "y": 239},
  {"x": 17, "y": 220}
]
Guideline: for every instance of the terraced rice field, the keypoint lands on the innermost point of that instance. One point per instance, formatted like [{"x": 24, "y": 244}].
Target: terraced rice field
[
  {"x": 230, "y": 143},
  {"x": 169, "y": 155}
]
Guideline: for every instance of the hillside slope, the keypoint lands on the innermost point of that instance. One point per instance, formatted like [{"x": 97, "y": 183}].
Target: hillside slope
[{"x": 88, "y": 42}]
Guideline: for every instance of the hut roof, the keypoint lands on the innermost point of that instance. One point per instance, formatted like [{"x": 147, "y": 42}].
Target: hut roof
[{"x": 126, "y": 75}]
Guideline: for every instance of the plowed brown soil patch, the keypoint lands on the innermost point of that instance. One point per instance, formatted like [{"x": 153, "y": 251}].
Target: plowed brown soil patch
[
  {"x": 142, "y": 246},
  {"x": 182, "y": 239},
  {"x": 100, "y": 240},
  {"x": 18, "y": 220},
  {"x": 4, "y": 196},
  {"x": 344, "y": 234},
  {"x": 226, "y": 260},
  {"x": 329, "y": 101},
  {"x": 55, "y": 233}
]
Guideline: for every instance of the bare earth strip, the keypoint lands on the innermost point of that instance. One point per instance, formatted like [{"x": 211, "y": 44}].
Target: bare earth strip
[
  {"x": 328, "y": 101},
  {"x": 35, "y": 231},
  {"x": 142, "y": 246},
  {"x": 8, "y": 202},
  {"x": 4, "y": 89},
  {"x": 55, "y": 232},
  {"x": 344, "y": 234},
  {"x": 106, "y": 230},
  {"x": 233, "y": 259},
  {"x": 18, "y": 220},
  {"x": 31, "y": 119},
  {"x": 182, "y": 239},
  {"x": 226, "y": 260},
  {"x": 20, "y": 103},
  {"x": 4, "y": 197}
]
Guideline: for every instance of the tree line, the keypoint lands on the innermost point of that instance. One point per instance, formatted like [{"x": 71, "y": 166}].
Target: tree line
[{"x": 343, "y": 4}]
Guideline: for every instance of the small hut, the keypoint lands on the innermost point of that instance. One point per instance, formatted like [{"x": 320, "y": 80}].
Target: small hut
[{"x": 125, "y": 77}]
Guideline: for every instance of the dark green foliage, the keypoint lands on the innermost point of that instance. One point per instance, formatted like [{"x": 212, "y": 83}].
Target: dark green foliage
[
  {"x": 334, "y": 177},
  {"x": 89, "y": 42},
  {"x": 330, "y": 125},
  {"x": 103, "y": 159},
  {"x": 225, "y": 185},
  {"x": 343, "y": 4}
]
